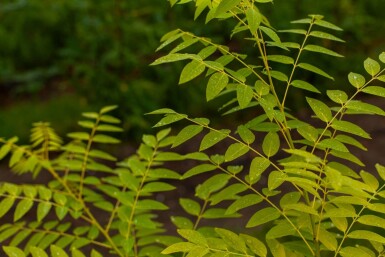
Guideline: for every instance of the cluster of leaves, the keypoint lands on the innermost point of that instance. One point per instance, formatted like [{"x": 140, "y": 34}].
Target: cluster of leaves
[
  {"x": 301, "y": 184},
  {"x": 93, "y": 202},
  {"x": 330, "y": 209}
]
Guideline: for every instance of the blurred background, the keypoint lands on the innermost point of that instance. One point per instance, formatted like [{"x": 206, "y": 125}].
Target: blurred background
[{"x": 59, "y": 58}]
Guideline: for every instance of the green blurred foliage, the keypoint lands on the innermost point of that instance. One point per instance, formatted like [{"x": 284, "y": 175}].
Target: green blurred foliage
[{"x": 100, "y": 50}]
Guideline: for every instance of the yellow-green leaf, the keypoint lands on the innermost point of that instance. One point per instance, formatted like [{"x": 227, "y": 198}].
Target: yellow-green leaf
[
  {"x": 356, "y": 80},
  {"x": 12, "y": 251},
  {"x": 304, "y": 85},
  {"x": 235, "y": 151},
  {"x": 321, "y": 110},
  {"x": 320, "y": 49},
  {"x": 192, "y": 70},
  {"x": 263, "y": 216},
  {"x": 217, "y": 82},
  {"x": 170, "y": 118},
  {"x": 22, "y": 208},
  {"x": 271, "y": 144},
  {"x": 367, "y": 235},
  {"x": 314, "y": 69},
  {"x": 244, "y": 95},
  {"x": 371, "y": 66},
  {"x": 186, "y": 134}
]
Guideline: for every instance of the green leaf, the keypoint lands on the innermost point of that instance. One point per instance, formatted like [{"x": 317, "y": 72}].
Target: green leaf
[
  {"x": 382, "y": 57},
  {"x": 193, "y": 236},
  {"x": 188, "y": 42},
  {"x": 280, "y": 230},
  {"x": 321, "y": 110},
  {"x": 278, "y": 75},
  {"x": 368, "y": 235},
  {"x": 320, "y": 49},
  {"x": 79, "y": 135},
  {"x": 324, "y": 35},
  {"x": 104, "y": 139},
  {"x": 380, "y": 169},
  {"x": 330, "y": 143},
  {"x": 235, "y": 151},
  {"x": 244, "y": 95},
  {"x": 228, "y": 193},
  {"x": 356, "y": 80},
  {"x": 314, "y": 69},
  {"x": 369, "y": 180},
  {"x": 309, "y": 157},
  {"x": 354, "y": 252},
  {"x": 347, "y": 156},
  {"x": 280, "y": 59},
  {"x": 243, "y": 202},
  {"x": 271, "y": 144},
  {"x": 95, "y": 253},
  {"x": 254, "y": 18},
  {"x": 301, "y": 207},
  {"x": 351, "y": 141},
  {"x": 261, "y": 88},
  {"x": 308, "y": 132},
  {"x": 276, "y": 178},
  {"x": 108, "y": 128},
  {"x": 232, "y": 239},
  {"x": 12, "y": 251},
  {"x": 42, "y": 210},
  {"x": 173, "y": 57},
  {"x": 381, "y": 78},
  {"x": 304, "y": 85},
  {"x": 16, "y": 156},
  {"x": 22, "y": 208},
  {"x": 217, "y": 82},
  {"x": 148, "y": 204},
  {"x": 371, "y": 66},
  {"x": 192, "y": 70},
  {"x": 202, "y": 168},
  {"x": 5, "y": 205},
  {"x": 38, "y": 252},
  {"x": 372, "y": 220},
  {"x": 170, "y": 118},
  {"x": 186, "y": 134},
  {"x": 362, "y": 107},
  {"x": 212, "y": 138},
  {"x": 206, "y": 52},
  {"x": 77, "y": 253},
  {"x": 4, "y": 150},
  {"x": 225, "y": 6},
  {"x": 57, "y": 251},
  {"x": 270, "y": 33},
  {"x": 374, "y": 90},
  {"x": 109, "y": 119},
  {"x": 327, "y": 239},
  {"x": 327, "y": 24},
  {"x": 337, "y": 96},
  {"x": 211, "y": 185},
  {"x": 157, "y": 187},
  {"x": 190, "y": 206},
  {"x": 179, "y": 247},
  {"x": 247, "y": 136},
  {"x": 263, "y": 216},
  {"x": 182, "y": 222},
  {"x": 255, "y": 245}
]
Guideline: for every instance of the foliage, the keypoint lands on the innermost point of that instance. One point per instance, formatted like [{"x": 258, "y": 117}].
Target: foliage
[
  {"x": 87, "y": 47},
  {"x": 303, "y": 184}
]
